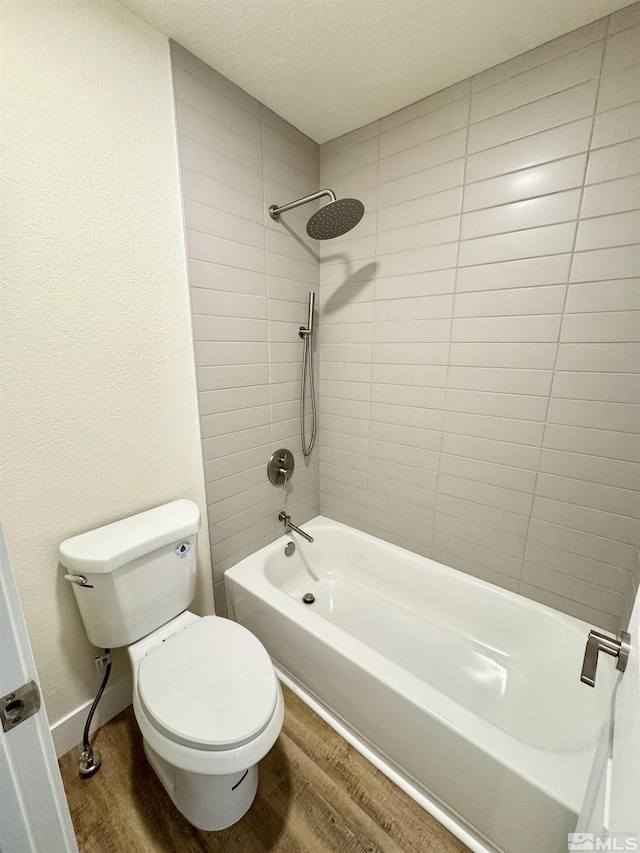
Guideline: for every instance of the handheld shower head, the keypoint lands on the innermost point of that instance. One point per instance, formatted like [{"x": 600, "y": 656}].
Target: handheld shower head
[{"x": 332, "y": 220}]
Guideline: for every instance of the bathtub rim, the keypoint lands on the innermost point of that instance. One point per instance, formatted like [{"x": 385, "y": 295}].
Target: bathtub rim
[{"x": 519, "y": 756}]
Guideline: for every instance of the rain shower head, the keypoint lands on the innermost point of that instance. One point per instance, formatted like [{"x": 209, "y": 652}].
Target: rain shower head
[{"x": 332, "y": 220}]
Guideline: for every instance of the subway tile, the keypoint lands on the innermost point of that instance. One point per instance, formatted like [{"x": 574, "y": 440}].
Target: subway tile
[
  {"x": 418, "y": 308},
  {"x": 494, "y": 428},
  {"x": 622, "y": 50},
  {"x": 485, "y": 493},
  {"x": 333, "y": 166},
  {"x": 408, "y": 395},
  {"x": 435, "y": 151},
  {"x": 434, "y": 376},
  {"x": 532, "y": 382},
  {"x": 497, "y": 405},
  {"x": 507, "y": 329},
  {"x": 577, "y": 566},
  {"x": 391, "y": 454},
  {"x": 611, "y": 197},
  {"x": 597, "y": 618},
  {"x": 533, "y": 118},
  {"x": 224, "y": 304},
  {"x": 531, "y": 213},
  {"x": 582, "y": 543},
  {"x": 227, "y": 399},
  {"x": 620, "y": 89},
  {"x": 201, "y": 217},
  {"x": 417, "y": 285},
  {"x": 621, "y": 417},
  {"x": 426, "y": 105},
  {"x": 419, "y": 184},
  {"x": 212, "y": 353},
  {"x": 411, "y": 416},
  {"x": 204, "y": 247},
  {"x": 614, "y": 388},
  {"x": 208, "y": 100},
  {"x": 418, "y": 260},
  {"x": 598, "y": 358},
  {"x": 475, "y": 570},
  {"x": 483, "y": 514},
  {"x": 228, "y": 329},
  {"x": 496, "y": 540},
  {"x": 514, "y": 355},
  {"x": 349, "y": 140},
  {"x": 444, "y": 230},
  {"x": 203, "y": 128},
  {"x": 620, "y": 295},
  {"x": 616, "y": 125},
  {"x": 406, "y": 436},
  {"x": 424, "y": 209},
  {"x": 218, "y": 277},
  {"x": 217, "y": 194},
  {"x": 401, "y": 331},
  {"x": 563, "y": 73},
  {"x": 216, "y": 82},
  {"x": 605, "y": 327},
  {"x": 614, "y": 161},
  {"x": 604, "y": 264},
  {"x": 565, "y": 44},
  {"x": 226, "y": 422},
  {"x": 554, "y": 144},
  {"x": 478, "y": 554},
  {"x": 488, "y": 472},
  {"x": 610, "y": 499},
  {"x": 601, "y": 232},
  {"x": 204, "y": 160},
  {"x": 594, "y": 469},
  {"x": 527, "y": 183},
  {"x": 232, "y": 376},
  {"x": 527, "y": 272},
  {"x": 623, "y": 18},
  {"x": 574, "y": 588},
  {"x": 487, "y": 450},
  {"x": 520, "y": 301},
  {"x": 593, "y": 441},
  {"x": 424, "y": 128},
  {"x": 392, "y": 522},
  {"x": 548, "y": 240},
  {"x": 586, "y": 519}
]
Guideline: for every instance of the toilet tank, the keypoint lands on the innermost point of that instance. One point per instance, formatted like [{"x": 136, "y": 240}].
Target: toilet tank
[{"x": 140, "y": 572}]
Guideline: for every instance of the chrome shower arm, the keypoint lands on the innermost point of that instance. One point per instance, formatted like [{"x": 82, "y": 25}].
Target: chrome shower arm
[{"x": 275, "y": 211}]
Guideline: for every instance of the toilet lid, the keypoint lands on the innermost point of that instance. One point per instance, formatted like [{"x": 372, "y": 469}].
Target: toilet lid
[{"x": 212, "y": 686}]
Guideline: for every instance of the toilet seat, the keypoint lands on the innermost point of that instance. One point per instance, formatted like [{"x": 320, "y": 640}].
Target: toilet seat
[{"x": 211, "y": 686}]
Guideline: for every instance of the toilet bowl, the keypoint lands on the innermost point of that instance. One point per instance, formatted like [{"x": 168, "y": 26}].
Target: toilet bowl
[
  {"x": 205, "y": 693},
  {"x": 209, "y": 707}
]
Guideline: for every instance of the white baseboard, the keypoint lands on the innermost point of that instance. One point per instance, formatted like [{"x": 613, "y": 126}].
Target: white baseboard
[{"x": 67, "y": 732}]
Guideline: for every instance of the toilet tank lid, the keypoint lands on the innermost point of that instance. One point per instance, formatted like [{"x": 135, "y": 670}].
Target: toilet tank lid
[{"x": 107, "y": 548}]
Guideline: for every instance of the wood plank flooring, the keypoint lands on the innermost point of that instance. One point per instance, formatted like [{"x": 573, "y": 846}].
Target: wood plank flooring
[{"x": 316, "y": 794}]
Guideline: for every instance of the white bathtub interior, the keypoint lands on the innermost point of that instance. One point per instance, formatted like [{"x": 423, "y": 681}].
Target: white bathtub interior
[{"x": 494, "y": 670}]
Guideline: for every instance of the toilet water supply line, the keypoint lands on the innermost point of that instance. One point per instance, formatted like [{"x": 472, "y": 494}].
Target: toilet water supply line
[{"x": 90, "y": 761}]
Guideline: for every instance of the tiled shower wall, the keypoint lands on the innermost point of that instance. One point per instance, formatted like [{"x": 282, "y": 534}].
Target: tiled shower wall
[
  {"x": 250, "y": 278},
  {"x": 479, "y": 361}
]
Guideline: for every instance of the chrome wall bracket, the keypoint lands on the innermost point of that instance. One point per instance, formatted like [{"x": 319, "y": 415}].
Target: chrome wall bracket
[{"x": 597, "y": 642}]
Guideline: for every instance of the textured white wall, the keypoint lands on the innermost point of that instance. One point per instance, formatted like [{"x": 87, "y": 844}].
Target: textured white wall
[{"x": 99, "y": 413}]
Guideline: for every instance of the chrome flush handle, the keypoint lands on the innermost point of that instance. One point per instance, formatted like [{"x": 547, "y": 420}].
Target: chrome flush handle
[{"x": 597, "y": 642}]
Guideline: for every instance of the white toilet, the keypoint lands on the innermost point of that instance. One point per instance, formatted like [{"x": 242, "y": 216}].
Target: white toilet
[{"x": 205, "y": 694}]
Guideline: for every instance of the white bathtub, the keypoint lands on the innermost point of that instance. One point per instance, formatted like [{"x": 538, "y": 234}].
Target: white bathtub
[{"x": 468, "y": 695}]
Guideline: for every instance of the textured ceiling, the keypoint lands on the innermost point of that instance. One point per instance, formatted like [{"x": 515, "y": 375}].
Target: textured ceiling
[{"x": 329, "y": 66}]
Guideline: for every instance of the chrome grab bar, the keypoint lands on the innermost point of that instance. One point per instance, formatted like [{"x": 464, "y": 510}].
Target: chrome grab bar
[
  {"x": 286, "y": 520},
  {"x": 597, "y": 642}
]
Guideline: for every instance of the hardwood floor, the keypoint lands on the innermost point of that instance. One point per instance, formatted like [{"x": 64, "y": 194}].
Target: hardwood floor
[{"x": 316, "y": 794}]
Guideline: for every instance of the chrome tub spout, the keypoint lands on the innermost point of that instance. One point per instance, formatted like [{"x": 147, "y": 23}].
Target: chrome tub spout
[{"x": 286, "y": 520}]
